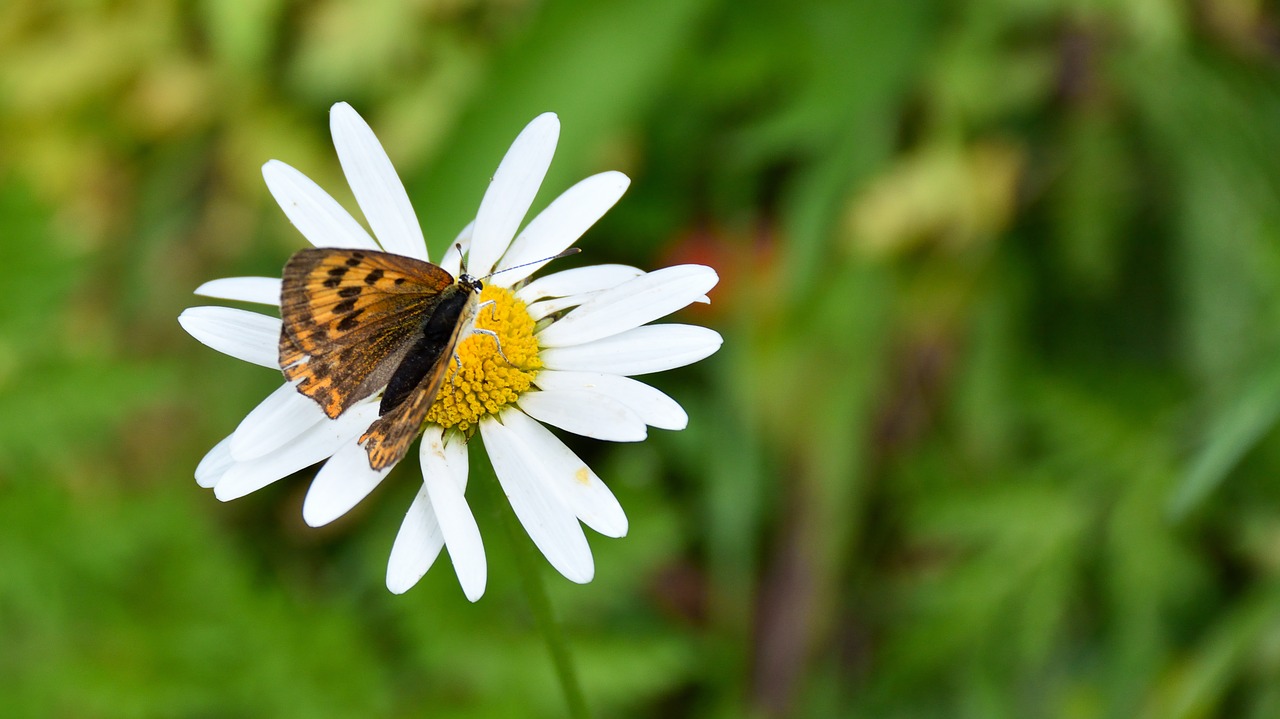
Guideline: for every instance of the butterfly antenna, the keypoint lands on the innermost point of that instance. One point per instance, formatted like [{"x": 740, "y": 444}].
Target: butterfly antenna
[
  {"x": 462, "y": 259},
  {"x": 566, "y": 253}
]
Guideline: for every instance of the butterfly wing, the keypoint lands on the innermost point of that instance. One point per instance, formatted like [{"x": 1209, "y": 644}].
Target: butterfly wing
[
  {"x": 387, "y": 440},
  {"x": 349, "y": 316}
]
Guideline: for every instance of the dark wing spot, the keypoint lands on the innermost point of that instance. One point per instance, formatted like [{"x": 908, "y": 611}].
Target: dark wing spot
[
  {"x": 337, "y": 271},
  {"x": 350, "y": 320},
  {"x": 345, "y": 306},
  {"x": 346, "y": 292},
  {"x": 399, "y": 281},
  {"x": 332, "y": 282},
  {"x": 354, "y": 259},
  {"x": 373, "y": 277}
]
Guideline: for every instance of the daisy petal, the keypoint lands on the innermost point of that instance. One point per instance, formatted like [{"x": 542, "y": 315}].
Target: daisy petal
[
  {"x": 245, "y": 335},
  {"x": 511, "y": 192},
  {"x": 630, "y": 305},
  {"x": 313, "y": 445},
  {"x": 216, "y": 462},
  {"x": 570, "y": 477},
  {"x": 417, "y": 545},
  {"x": 341, "y": 483},
  {"x": 577, "y": 281},
  {"x": 589, "y": 414},
  {"x": 451, "y": 260},
  {"x": 653, "y": 348},
  {"x": 263, "y": 290},
  {"x": 548, "y": 307},
  {"x": 283, "y": 415},
  {"x": 654, "y": 407},
  {"x": 561, "y": 224},
  {"x": 444, "y": 475},
  {"x": 317, "y": 216},
  {"x": 375, "y": 184},
  {"x": 551, "y": 525}
]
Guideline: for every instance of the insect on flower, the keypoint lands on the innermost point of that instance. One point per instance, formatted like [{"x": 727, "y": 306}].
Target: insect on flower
[
  {"x": 378, "y": 346},
  {"x": 358, "y": 321}
]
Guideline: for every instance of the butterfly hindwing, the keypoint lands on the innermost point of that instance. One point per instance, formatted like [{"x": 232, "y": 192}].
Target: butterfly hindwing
[
  {"x": 349, "y": 316},
  {"x": 416, "y": 381},
  {"x": 338, "y": 379},
  {"x": 387, "y": 440}
]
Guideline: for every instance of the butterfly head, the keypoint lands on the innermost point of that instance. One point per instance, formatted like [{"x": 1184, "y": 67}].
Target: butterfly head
[{"x": 471, "y": 283}]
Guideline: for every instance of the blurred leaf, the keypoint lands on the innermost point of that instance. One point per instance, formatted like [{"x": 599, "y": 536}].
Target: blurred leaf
[
  {"x": 851, "y": 136},
  {"x": 596, "y": 64},
  {"x": 1227, "y": 439},
  {"x": 1198, "y": 685},
  {"x": 1095, "y": 200},
  {"x": 953, "y": 197}
]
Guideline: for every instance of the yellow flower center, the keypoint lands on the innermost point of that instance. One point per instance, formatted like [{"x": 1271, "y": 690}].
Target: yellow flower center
[{"x": 485, "y": 382}]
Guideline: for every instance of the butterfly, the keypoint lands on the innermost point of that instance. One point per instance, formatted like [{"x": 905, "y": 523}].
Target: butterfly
[{"x": 356, "y": 321}]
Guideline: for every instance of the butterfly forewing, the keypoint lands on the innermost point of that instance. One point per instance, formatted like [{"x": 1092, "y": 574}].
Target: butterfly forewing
[{"x": 348, "y": 318}]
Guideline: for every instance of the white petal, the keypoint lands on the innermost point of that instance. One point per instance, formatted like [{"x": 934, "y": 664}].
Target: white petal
[
  {"x": 548, "y": 307},
  {"x": 549, "y": 295},
  {"x": 313, "y": 445},
  {"x": 511, "y": 192},
  {"x": 551, "y": 525},
  {"x": 577, "y": 281},
  {"x": 215, "y": 463},
  {"x": 561, "y": 224},
  {"x": 589, "y": 414},
  {"x": 653, "y": 348},
  {"x": 451, "y": 260},
  {"x": 629, "y": 305},
  {"x": 375, "y": 184},
  {"x": 317, "y": 216},
  {"x": 263, "y": 290},
  {"x": 245, "y": 335},
  {"x": 283, "y": 415},
  {"x": 444, "y": 474},
  {"x": 341, "y": 483},
  {"x": 575, "y": 483},
  {"x": 417, "y": 545},
  {"x": 654, "y": 407}
]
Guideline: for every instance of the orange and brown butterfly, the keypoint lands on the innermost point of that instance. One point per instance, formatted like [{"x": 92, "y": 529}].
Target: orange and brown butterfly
[{"x": 356, "y": 321}]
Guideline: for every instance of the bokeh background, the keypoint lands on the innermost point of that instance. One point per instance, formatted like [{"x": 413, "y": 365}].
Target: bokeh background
[{"x": 992, "y": 433}]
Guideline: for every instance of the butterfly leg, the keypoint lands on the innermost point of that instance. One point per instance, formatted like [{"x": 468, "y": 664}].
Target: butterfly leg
[
  {"x": 456, "y": 370},
  {"x": 458, "y": 358},
  {"x": 496, "y": 340},
  {"x": 493, "y": 313}
]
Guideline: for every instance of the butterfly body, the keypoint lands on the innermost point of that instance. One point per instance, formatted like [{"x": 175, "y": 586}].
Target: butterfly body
[
  {"x": 356, "y": 321},
  {"x": 434, "y": 343}
]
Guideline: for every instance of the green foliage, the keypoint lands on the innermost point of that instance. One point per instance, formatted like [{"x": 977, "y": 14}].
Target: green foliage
[{"x": 992, "y": 434}]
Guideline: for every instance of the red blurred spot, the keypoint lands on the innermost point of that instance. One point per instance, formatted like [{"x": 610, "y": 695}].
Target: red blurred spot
[{"x": 746, "y": 262}]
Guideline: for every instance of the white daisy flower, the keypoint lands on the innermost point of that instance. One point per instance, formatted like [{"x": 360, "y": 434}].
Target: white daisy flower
[{"x": 571, "y": 342}]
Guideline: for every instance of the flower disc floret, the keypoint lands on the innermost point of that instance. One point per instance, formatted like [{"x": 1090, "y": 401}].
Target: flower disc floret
[{"x": 480, "y": 381}]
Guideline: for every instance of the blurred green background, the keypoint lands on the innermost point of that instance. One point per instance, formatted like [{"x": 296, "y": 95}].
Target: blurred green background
[{"x": 992, "y": 433}]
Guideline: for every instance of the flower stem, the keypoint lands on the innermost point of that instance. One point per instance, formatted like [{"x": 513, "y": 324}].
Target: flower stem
[{"x": 529, "y": 565}]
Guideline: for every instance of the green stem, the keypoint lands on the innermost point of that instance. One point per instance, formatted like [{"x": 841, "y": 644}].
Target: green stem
[{"x": 529, "y": 564}]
